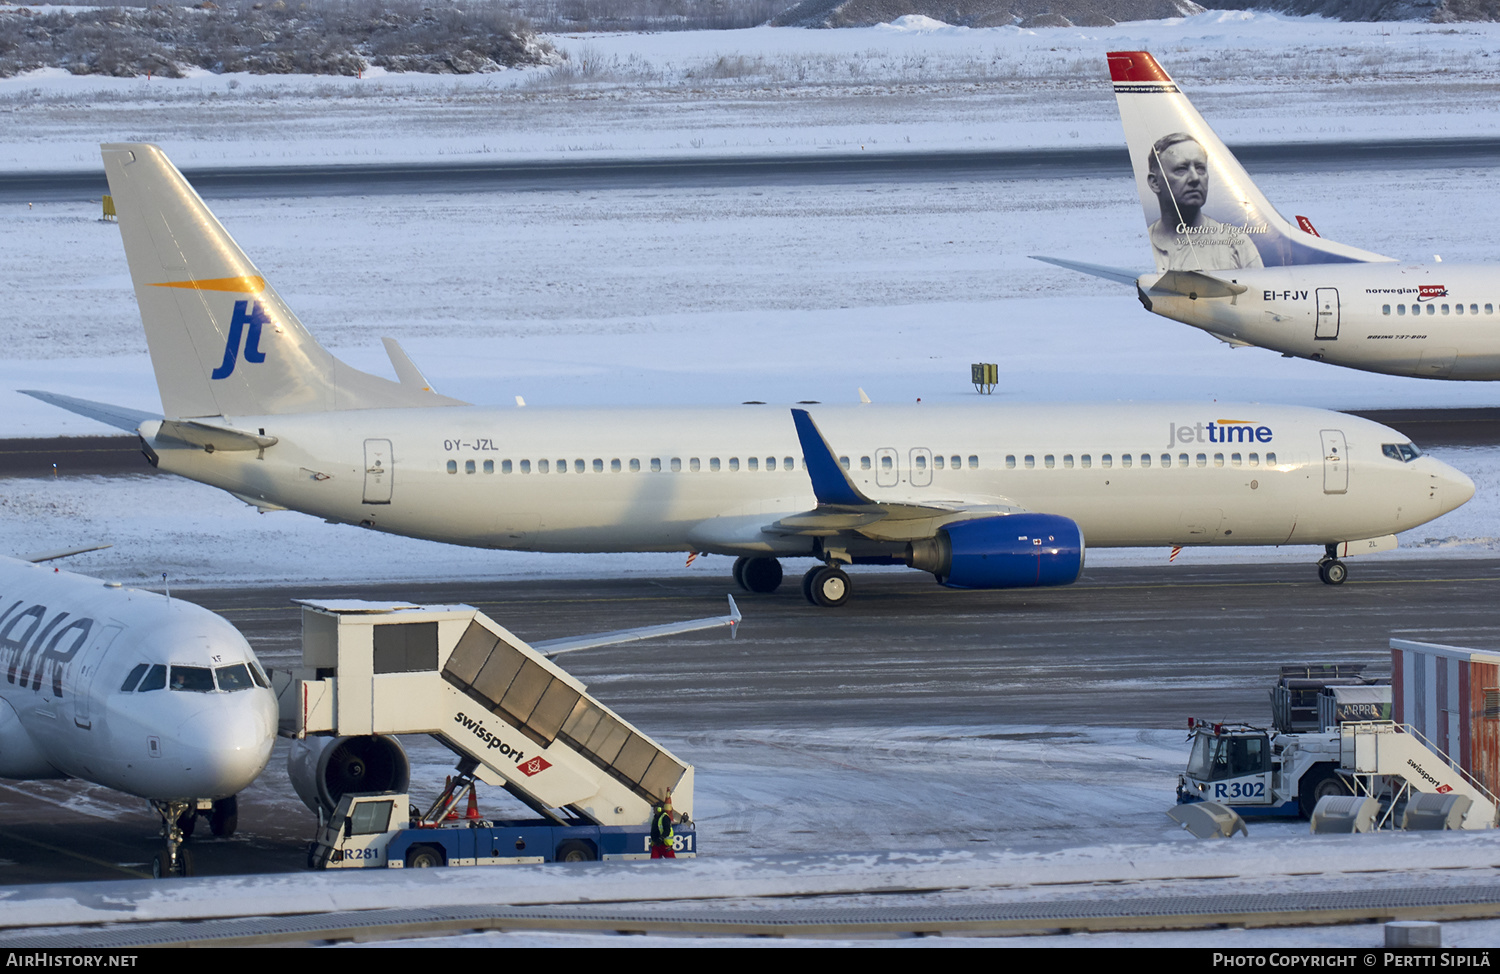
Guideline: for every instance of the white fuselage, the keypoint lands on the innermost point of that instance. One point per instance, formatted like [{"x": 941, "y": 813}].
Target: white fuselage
[
  {"x": 1435, "y": 321},
  {"x": 69, "y": 643},
  {"x": 712, "y": 479}
]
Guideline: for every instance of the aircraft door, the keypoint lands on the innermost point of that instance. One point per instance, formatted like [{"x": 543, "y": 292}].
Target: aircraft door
[
  {"x": 887, "y": 467},
  {"x": 379, "y": 471},
  {"x": 921, "y": 466},
  {"x": 83, "y": 688},
  {"x": 1335, "y": 463},
  {"x": 1327, "y": 328}
]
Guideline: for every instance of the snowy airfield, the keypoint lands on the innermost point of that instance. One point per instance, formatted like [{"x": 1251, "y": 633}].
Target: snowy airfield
[{"x": 730, "y": 294}]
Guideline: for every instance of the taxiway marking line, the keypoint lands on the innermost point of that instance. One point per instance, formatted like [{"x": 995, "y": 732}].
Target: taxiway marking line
[{"x": 12, "y": 837}]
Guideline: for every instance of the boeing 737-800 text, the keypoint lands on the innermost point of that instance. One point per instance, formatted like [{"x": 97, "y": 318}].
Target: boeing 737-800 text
[
  {"x": 1228, "y": 263},
  {"x": 135, "y": 691},
  {"x": 981, "y": 496}
]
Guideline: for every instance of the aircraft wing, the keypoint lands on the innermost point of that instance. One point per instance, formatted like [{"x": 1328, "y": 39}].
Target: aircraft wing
[
  {"x": 572, "y": 644},
  {"x": 119, "y": 417},
  {"x": 39, "y": 556},
  {"x": 842, "y": 506},
  {"x": 1122, "y": 275}
]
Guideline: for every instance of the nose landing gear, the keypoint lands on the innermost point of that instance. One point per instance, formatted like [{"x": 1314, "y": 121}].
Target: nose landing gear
[
  {"x": 1330, "y": 569},
  {"x": 174, "y": 860}
]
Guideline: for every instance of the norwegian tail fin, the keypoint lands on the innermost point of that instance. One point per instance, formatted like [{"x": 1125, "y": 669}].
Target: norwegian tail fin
[
  {"x": 1203, "y": 211},
  {"x": 222, "y": 341}
]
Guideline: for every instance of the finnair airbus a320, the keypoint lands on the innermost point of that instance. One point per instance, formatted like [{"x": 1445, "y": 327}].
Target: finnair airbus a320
[
  {"x": 981, "y": 496},
  {"x": 148, "y": 695},
  {"x": 1228, "y": 263}
]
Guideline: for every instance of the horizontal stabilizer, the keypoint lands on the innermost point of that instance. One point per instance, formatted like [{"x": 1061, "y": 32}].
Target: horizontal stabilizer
[
  {"x": 556, "y": 647},
  {"x": 117, "y": 416},
  {"x": 212, "y": 438},
  {"x": 1121, "y": 275},
  {"x": 1195, "y": 284},
  {"x": 40, "y": 556}
]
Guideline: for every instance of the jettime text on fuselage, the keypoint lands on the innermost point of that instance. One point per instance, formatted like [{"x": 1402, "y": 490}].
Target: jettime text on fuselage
[{"x": 1218, "y": 431}]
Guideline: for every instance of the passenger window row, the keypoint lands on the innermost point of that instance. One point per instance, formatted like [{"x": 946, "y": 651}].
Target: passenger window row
[
  {"x": 616, "y": 465},
  {"x": 694, "y": 464},
  {"x": 1107, "y": 460},
  {"x": 1432, "y": 309}
]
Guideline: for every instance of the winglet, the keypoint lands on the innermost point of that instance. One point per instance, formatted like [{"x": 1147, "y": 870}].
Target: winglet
[
  {"x": 830, "y": 483},
  {"x": 734, "y": 619},
  {"x": 406, "y": 369}
]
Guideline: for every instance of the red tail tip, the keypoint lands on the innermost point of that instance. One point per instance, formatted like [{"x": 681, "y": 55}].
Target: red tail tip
[{"x": 1135, "y": 66}]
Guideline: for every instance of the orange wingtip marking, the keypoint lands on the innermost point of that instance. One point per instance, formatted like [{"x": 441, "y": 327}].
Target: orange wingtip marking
[{"x": 248, "y": 285}]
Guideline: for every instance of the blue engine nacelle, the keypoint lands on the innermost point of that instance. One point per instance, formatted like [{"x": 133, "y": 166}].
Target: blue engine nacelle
[{"x": 1010, "y": 551}]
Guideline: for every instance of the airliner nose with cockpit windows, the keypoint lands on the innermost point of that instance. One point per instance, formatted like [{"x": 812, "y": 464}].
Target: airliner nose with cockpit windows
[
  {"x": 983, "y": 495},
  {"x": 132, "y": 690},
  {"x": 1227, "y": 262}
]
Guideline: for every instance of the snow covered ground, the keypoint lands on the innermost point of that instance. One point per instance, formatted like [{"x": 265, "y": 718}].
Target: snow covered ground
[{"x": 728, "y": 294}]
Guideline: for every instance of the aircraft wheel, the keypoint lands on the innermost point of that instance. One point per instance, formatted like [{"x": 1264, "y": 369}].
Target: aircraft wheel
[
  {"x": 160, "y": 867},
  {"x": 762, "y": 575},
  {"x": 739, "y": 572},
  {"x": 423, "y": 857},
  {"x": 575, "y": 850},
  {"x": 807, "y": 583},
  {"x": 225, "y": 817},
  {"x": 1333, "y": 572},
  {"x": 830, "y": 587}
]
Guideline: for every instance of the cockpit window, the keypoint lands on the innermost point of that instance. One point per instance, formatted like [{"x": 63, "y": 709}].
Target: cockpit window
[
  {"x": 156, "y": 679},
  {"x": 134, "y": 677},
  {"x": 198, "y": 679},
  {"x": 259, "y": 677},
  {"x": 1405, "y": 452},
  {"x": 236, "y": 677}
]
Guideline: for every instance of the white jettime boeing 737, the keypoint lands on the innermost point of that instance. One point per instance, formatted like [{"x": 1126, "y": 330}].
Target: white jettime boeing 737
[
  {"x": 1228, "y": 263},
  {"x": 981, "y": 496},
  {"x": 149, "y": 695}
]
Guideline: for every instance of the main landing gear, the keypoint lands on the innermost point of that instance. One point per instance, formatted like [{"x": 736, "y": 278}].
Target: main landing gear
[
  {"x": 1330, "y": 569},
  {"x": 823, "y": 585},
  {"x": 761, "y": 575}
]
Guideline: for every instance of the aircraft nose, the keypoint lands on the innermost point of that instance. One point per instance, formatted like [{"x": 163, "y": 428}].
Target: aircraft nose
[
  {"x": 229, "y": 745},
  {"x": 1452, "y": 487}
]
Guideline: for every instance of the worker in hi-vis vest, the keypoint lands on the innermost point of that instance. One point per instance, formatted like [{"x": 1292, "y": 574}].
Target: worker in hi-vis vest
[{"x": 661, "y": 830}]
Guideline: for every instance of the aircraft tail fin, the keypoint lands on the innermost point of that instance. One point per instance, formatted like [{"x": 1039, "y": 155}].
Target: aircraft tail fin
[
  {"x": 1203, "y": 211},
  {"x": 222, "y": 341}
]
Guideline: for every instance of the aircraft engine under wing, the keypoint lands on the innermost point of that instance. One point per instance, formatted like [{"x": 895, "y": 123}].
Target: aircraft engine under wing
[{"x": 965, "y": 545}]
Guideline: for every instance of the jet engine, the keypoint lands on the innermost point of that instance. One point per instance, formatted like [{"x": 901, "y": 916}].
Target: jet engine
[
  {"x": 1009, "y": 551},
  {"x": 324, "y": 769}
]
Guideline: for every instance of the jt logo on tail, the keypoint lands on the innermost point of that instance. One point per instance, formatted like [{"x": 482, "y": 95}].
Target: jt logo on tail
[{"x": 255, "y": 317}]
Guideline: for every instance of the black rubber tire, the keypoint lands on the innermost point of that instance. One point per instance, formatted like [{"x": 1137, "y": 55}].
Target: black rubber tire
[
  {"x": 1334, "y": 572},
  {"x": 424, "y": 857},
  {"x": 159, "y": 864},
  {"x": 807, "y": 582},
  {"x": 1316, "y": 784},
  {"x": 762, "y": 575},
  {"x": 830, "y": 587},
  {"x": 739, "y": 572},
  {"x": 225, "y": 817},
  {"x": 575, "y": 850}
]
